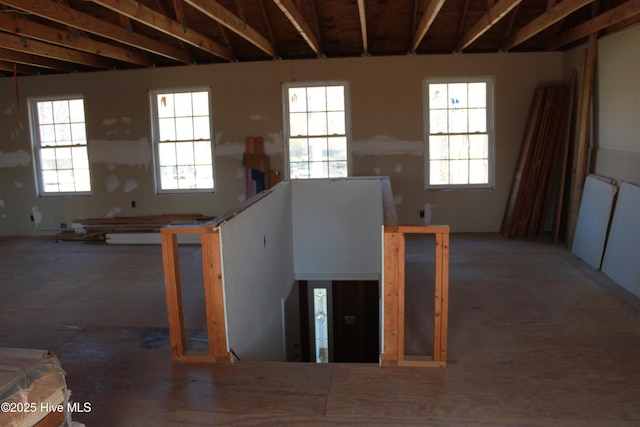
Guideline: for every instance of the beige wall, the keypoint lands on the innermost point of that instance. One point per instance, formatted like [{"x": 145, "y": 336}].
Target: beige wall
[{"x": 387, "y": 133}]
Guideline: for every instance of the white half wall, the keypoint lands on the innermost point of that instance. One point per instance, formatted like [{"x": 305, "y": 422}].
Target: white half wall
[
  {"x": 257, "y": 258},
  {"x": 336, "y": 228}
]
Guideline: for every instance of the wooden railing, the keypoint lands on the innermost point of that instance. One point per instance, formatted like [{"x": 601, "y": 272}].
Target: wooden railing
[
  {"x": 213, "y": 293},
  {"x": 393, "y": 352},
  {"x": 394, "y": 296}
]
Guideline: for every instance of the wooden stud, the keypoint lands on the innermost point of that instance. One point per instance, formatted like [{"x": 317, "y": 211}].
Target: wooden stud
[
  {"x": 214, "y": 295},
  {"x": 394, "y": 295},
  {"x": 173, "y": 291},
  {"x": 400, "y": 276},
  {"x": 390, "y": 300}
]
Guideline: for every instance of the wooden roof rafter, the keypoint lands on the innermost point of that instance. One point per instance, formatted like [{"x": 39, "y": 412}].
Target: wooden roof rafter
[
  {"x": 18, "y": 25},
  {"x": 362, "y": 12},
  {"x": 34, "y": 60},
  {"x": 427, "y": 19},
  {"x": 135, "y": 10},
  {"x": 217, "y": 12},
  {"x": 10, "y": 67},
  {"x": 298, "y": 21},
  {"x": 178, "y": 9},
  {"x": 461, "y": 21},
  {"x": 556, "y": 13},
  {"x": 493, "y": 15},
  {"x": 509, "y": 28},
  {"x": 67, "y": 16},
  {"x": 23, "y": 44},
  {"x": 627, "y": 10},
  {"x": 267, "y": 22}
]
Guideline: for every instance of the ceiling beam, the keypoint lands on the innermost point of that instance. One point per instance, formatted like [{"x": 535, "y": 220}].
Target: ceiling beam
[
  {"x": 495, "y": 14},
  {"x": 425, "y": 23},
  {"x": 363, "y": 26},
  {"x": 132, "y": 9},
  {"x": 556, "y": 13},
  {"x": 36, "y": 61},
  {"x": 293, "y": 14},
  {"x": 179, "y": 11},
  {"x": 19, "y": 68},
  {"x": 65, "y": 15},
  {"x": 267, "y": 22},
  {"x": 35, "y": 47},
  {"x": 11, "y": 23},
  {"x": 217, "y": 12},
  {"x": 611, "y": 17}
]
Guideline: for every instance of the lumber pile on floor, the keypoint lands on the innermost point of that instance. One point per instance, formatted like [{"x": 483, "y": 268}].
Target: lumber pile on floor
[
  {"x": 97, "y": 228},
  {"x": 533, "y": 182}
]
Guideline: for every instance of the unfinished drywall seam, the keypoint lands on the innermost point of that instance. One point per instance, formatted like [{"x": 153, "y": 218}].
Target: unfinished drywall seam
[{"x": 14, "y": 159}]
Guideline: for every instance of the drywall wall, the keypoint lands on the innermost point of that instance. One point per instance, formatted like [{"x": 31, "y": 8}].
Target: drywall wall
[
  {"x": 257, "y": 257},
  {"x": 593, "y": 220},
  {"x": 386, "y": 118},
  {"x": 336, "y": 229},
  {"x": 620, "y": 260},
  {"x": 617, "y": 146}
]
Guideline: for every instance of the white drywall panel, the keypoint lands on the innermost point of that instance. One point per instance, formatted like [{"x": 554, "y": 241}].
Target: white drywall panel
[
  {"x": 593, "y": 220},
  {"x": 621, "y": 261},
  {"x": 336, "y": 228},
  {"x": 257, "y": 256}
]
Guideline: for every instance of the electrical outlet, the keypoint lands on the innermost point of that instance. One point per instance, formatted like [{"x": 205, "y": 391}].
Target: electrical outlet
[
  {"x": 133, "y": 203},
  {"x": 422, "y": 213}
]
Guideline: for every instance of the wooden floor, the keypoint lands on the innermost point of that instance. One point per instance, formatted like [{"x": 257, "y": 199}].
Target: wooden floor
[{"x": 536, "y": 338}]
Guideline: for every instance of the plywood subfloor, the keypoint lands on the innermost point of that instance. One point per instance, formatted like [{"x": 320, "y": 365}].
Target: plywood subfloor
[{"x": 536, "y": 338}]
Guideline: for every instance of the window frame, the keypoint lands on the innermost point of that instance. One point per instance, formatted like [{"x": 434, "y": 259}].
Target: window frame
[
  {"x": 155, "y": 139},
  {"x": 286, "y": 122},
  {"x": 490, "y": 114},
  {"x": 36, "y": 145}
]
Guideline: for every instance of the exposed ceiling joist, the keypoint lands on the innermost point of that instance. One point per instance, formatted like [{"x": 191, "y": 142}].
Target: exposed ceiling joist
[
  {"x": 217, "y": 12},
  {"x": 18, "y": 25},
  {"x": 427, "y": 19},
  {"x": 611, "y": 17},
  {"x": 138, "y": 12},
  {"x": 495, "y": 14},
  {"x": 19, "y": 68},
  {"x": 37, "y": 61},
  {"x": 363, "y": 26},
  {"x": 67, "y": 16},
  {"x": 556, "y": 13},
  {"x": 293, "y": 14},
  {"x": 179, "y": 11},
  {"x": 35, "y": 47}
]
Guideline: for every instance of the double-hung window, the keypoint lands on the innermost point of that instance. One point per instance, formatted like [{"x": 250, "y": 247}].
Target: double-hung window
[
  {"x": 182, "y": 141},
  {"x": 459, "y": 133},
  {"x": 316, "y": 130},
  {"x": 60, "y": 146}
]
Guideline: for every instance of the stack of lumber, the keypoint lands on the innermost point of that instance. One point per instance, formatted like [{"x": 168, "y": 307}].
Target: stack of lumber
[
  {"x": 533, "y": 182},
  {"x": 97, "y": 228}
]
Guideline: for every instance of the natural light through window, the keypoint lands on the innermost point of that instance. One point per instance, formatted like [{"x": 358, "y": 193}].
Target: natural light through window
[
  {"x": 184, "y": 158},
  {"x": 459, "y": 133},
  {"x": 316, "y": 125},
  {"x": 61, "y": 146}
]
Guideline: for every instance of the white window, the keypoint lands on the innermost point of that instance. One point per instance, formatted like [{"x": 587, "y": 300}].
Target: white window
[
  {"x": 182, "y": 141},
  {"x": 459, "y": 133},
  {"x": 60, "y": 146},
  {"x": 316, "y": 130}
]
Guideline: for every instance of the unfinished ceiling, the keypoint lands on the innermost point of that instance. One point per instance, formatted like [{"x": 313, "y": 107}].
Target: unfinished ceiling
[{"x": 66, "y": 36}]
